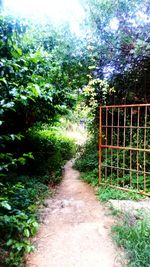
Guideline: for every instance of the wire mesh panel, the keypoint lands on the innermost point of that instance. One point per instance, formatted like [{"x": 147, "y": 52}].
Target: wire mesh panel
[{"x": 124, "y": 147}]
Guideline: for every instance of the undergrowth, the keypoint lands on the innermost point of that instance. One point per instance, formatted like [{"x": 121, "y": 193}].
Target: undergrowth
[
  {"x": 106, "y": 193},
  {"x": 90, "y": 177},
  {"x": 87, "y": 164},
  {"x": 88, "y": 159},
  {"x": 18, "y": 218},
  {"x": 51, "y": 149},
  {"x": 130, "y": 233},
  {"x": 133, "y": 236},
  {"x": 26, "y": 187}
]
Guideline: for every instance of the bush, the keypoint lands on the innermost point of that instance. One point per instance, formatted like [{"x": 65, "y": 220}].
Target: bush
[
  {"x": 87, "y": 162},
  {"x": 90, "y": 177},
  {"x": 21, "y": 195},
  {"x": 88, "y": 159},
  {"x": 18, "y": 221},
  {"x": 50, "y": 151}
]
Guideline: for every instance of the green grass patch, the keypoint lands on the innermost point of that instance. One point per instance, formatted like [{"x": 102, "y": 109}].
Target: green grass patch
[
  {"x": 104, "y": 194},
  {"x": 90, "y": 177},
  {"x": 133, "y": 235}
]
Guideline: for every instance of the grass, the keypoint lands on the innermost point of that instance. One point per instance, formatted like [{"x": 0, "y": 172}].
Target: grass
[
  {"x": 90, "y": 177},
  {"x": 133, "y": 235},
  {"x": 104, "y": 194},
  {"x": 130, "y": 233}
]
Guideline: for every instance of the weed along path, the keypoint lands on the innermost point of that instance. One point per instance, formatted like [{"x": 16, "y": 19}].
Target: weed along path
[{"x": 75, "y": 230}]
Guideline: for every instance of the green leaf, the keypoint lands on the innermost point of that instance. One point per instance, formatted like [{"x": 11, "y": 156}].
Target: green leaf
[
  {"x": 34, "y": 228},
  {"x": 26, "y": 233},
  {"x": 22, "y": 160},
  {"x": 9, "y": 105},
  {"x": 29, "y": 248},
  {"x": 10, "y": 242},
  {"x": 23, "y": 97},
  {"x": 3, "y": 80},
  {"x": 5, "y": 205},
  {"x": 19, "y": 51},
  {"x": 28, "y": 155},
  {"x": 35, "y": 89}
]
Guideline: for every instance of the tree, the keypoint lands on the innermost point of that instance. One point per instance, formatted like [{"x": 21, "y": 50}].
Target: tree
[
  {"x": 41, "y": 71},
  {"x": 119, "y": 34}
]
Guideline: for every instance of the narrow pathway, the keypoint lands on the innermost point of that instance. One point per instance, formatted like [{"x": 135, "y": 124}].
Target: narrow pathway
[{"x": 75, "y": 232}]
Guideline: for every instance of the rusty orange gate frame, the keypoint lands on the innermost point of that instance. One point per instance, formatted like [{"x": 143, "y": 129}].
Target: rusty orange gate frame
[{"x": 124, "y": 152}]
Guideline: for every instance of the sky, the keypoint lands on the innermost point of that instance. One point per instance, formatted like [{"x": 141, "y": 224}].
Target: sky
[
  {"x": 60, "y": 11},
  {"x": 57, "y": 11}
]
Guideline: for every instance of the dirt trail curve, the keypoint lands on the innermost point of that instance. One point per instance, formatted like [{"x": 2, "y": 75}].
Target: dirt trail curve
[{"x": 75, "y": 232}]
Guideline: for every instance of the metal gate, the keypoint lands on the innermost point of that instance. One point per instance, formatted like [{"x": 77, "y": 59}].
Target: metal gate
[{"x": 124, "y": 147}]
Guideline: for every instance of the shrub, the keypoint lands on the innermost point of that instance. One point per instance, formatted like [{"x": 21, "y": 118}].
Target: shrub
[
  {"x": 88, "y": 159},
  {"x": 18, "y": 221},
  {"x": 50, "y": 152},
  {"x": 21, "y": 195},
  {"x": 90, "y": 177}
]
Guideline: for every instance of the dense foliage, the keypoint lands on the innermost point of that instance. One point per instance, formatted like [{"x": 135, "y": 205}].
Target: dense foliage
[
  {"x": 120, "y": 75},
  {"x": 36, "y": 82},
  {"x": 119, "y": 44},
  {"x": 46, "y": 72}
]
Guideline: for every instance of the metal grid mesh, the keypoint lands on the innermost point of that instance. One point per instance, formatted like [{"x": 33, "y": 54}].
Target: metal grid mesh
[{"x": 124, "y": 152}]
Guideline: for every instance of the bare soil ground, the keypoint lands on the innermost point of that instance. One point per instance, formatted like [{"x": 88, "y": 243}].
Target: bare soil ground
[{"x": 76, "y": 230}]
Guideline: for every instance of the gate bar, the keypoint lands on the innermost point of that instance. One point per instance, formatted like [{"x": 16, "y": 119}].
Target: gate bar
[
  {"x": 126, "y": 148},
  {"x": 126, "y": 106},
  {"x": 127, "y": 189}
]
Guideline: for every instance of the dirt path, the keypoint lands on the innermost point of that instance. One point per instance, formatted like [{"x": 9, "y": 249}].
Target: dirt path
[{"x": 75, "y": 232}]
